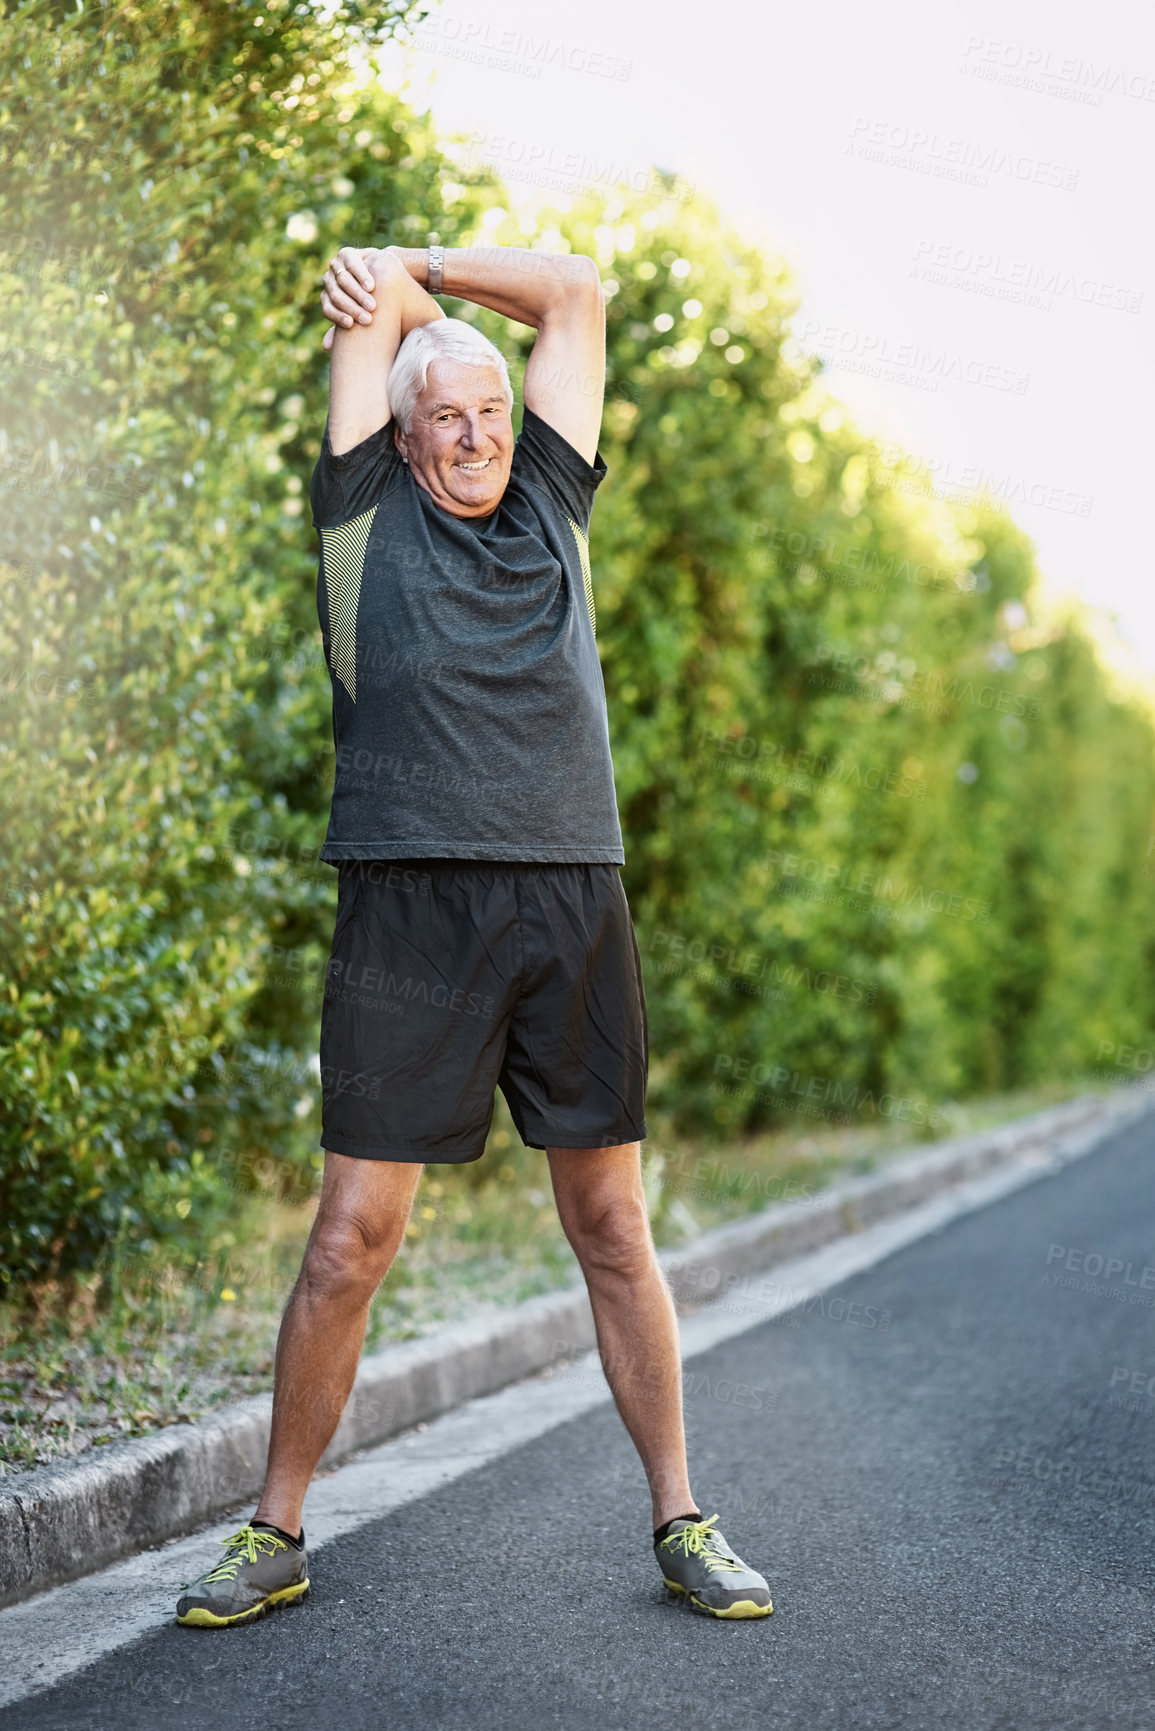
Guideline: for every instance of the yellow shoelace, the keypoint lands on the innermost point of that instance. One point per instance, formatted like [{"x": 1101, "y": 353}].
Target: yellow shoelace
[
  {"x": 245, "y": 1545},
  {"x": 699, "y": 1538}
]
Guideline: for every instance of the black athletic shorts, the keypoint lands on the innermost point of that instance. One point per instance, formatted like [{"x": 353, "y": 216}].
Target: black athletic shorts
[{"x": 449, "y": 978}]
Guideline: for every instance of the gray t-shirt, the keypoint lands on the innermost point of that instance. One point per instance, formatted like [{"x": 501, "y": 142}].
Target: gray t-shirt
[{"x": 469, "y": 713}]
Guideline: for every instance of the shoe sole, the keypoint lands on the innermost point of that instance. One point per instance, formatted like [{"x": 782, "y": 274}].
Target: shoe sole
[
  {"x": 739, "y": 1610},
  {"x": 202, "y": 1618}
]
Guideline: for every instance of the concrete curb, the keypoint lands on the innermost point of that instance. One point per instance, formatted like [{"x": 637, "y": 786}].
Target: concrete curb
[{"x": 61, "y": 1521}]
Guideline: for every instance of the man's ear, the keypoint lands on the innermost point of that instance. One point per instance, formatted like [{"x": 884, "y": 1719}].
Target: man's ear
[{"x": 400, "y": 441}]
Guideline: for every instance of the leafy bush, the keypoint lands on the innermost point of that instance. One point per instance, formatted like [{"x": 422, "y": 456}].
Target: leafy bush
[
  {"x": 886, "y": 814},
  {"x": 172, "y": 181}
]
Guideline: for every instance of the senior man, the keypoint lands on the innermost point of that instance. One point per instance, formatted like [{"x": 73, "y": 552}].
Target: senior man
[{"x": 482, "y": 937}]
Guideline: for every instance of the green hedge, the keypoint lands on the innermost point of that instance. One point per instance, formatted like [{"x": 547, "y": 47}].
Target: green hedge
[{"x": 801, "y": 654}]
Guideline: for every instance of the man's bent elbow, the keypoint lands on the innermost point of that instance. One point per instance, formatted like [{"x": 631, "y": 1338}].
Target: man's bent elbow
[
  {"x": 577, "y": 283},
  {"x": 589, "y": 280},
  {"x": 587, "y": 273}
]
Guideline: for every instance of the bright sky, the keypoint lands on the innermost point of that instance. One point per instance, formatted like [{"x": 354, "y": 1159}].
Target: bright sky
[{"x": 962, "y": 192}]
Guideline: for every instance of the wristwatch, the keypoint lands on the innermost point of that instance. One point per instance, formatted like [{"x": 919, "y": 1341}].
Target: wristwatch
[{"x": 433, "y": 273}]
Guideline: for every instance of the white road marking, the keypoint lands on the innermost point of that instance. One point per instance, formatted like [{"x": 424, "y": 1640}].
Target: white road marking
[{"x": 58, "y": 1633}]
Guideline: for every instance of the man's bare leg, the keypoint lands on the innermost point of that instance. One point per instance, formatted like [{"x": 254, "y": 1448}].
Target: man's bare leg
[
  {"x": 603, "y": 1211},
  {"x": 360, "y": 1222}
]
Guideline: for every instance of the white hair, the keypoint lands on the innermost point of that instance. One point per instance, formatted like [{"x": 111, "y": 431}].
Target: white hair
[{"x": 444, "y": 339}]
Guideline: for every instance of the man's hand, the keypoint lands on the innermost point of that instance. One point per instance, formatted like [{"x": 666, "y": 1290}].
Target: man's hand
[
  {"x": 347, "y": 295},
  {"x": 371, "y": 334}
]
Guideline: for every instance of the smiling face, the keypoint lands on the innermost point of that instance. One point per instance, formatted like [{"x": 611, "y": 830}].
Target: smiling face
[{"x": 460, "y": 445}]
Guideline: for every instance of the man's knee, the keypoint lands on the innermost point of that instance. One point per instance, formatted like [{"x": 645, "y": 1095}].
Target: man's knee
[
  {"x": 348, "y": 1255},
  {"x": 613, "y": 1237}
]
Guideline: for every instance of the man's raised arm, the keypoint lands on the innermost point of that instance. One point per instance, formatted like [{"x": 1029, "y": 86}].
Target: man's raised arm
[
  {"x": 559, "y": 294},
  {"x": 364, "y": 348}
]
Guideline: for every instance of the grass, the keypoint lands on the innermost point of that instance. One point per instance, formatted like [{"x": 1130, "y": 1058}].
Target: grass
[{"x": 133, "y": 1349}]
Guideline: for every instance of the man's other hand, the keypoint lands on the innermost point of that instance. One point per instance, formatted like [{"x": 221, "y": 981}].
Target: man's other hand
[{"x": 347, "y": 295}]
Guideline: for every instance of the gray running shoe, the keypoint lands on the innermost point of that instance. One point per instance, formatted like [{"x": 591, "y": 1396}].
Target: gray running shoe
[
  {"x": 698, "y": 1564},
  {"x": 259, "y": 1570}
]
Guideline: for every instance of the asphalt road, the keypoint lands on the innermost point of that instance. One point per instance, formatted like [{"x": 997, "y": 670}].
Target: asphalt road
[{"x": 944, "y": 1467}]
